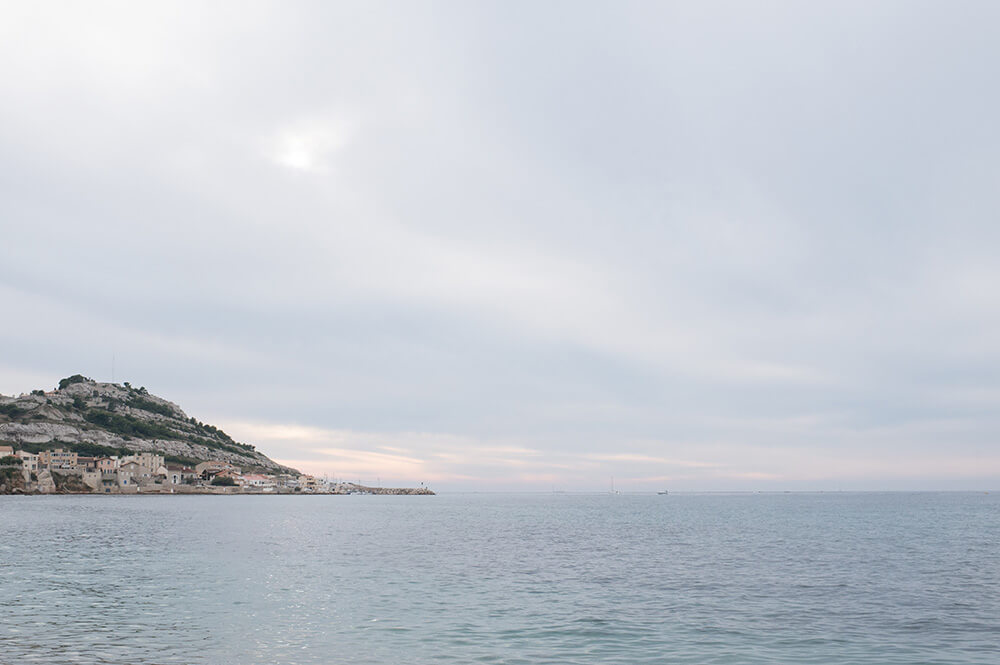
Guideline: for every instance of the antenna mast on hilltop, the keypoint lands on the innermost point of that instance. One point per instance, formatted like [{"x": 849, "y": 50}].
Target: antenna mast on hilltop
[{"x": 112, "y": 367}]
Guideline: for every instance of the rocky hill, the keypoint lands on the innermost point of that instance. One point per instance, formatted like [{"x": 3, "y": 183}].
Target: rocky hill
[{"x": 101, "y": 419}]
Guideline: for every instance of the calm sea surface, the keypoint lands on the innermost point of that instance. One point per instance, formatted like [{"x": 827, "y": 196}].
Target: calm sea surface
[{"x": 757, "y": 578}]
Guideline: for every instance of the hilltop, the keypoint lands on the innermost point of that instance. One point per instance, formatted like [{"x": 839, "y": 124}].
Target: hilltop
[{"x": 104, "y": 419}]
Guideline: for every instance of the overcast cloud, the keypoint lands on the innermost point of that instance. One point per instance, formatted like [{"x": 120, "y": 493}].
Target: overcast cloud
[{"x": 520, "y": 245}]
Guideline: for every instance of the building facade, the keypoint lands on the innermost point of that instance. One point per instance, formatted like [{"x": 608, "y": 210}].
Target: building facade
[{"x": 57, "y": 459}]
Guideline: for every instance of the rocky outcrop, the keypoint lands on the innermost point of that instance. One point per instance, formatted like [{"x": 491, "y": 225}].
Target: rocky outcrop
[
  {"x": 109, "y": 418},
  {"x": 45, "y": 484},
  {"x": 11, "y": 480},
  {"x": 69, "y": 483}
]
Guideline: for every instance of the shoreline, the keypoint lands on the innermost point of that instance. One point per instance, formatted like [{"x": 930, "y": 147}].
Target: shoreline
[
  {"x": 158, "y": 494},
  {"x": 229, "y": 491}
]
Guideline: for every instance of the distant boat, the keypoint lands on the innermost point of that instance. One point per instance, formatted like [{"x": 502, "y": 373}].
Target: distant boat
[{"x": 663, "y": 492}]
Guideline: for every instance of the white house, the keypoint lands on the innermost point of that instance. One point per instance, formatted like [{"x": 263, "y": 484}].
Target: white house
[{"x": 258, "y": 481}]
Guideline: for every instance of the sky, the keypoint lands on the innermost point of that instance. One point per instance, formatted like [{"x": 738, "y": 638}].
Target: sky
[{"x": 520, "y": 246}]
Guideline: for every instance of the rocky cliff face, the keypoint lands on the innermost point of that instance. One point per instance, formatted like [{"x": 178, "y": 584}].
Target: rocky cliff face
[
  {"x": 11, "y": 480},
  {"x": 107, "y": 418}
]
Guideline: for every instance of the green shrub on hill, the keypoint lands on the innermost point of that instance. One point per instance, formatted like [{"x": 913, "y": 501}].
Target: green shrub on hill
[
  {"x": 128, "y": 426},
  {"x": 70, "y": 380},
  {"x": 212, "y": 430},
  {"x": 36, "y": 448},
  {"x": 151, "y": 406},
  {"x": 12, "y": 410},
  {"x": 183, "y": 461},
  {"x": 209, "y": 443},
  {"x": 133, "y": 427},
  {"x": 95, "y": 449}
]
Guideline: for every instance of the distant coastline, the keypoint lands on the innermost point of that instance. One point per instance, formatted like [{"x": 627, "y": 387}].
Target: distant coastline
[
  {"x": 360, "y": 490},
  {"x": 87, "y": 437},
  {"x": 60, "y": 471}
]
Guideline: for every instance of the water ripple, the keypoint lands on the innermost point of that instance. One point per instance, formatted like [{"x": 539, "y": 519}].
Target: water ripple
[{"x": 686, "y": 579}]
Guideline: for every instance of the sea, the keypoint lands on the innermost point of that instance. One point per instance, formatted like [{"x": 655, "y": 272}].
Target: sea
[{"x": 797, "y": 578}]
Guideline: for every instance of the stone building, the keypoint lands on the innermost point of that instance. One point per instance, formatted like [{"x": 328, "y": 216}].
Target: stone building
[{"x": 57, "y": 459}]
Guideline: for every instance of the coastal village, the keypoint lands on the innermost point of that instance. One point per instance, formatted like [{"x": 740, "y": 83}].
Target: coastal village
[
  {"x": 89, "y": 437},
  {"x": 59, "y": 470}
]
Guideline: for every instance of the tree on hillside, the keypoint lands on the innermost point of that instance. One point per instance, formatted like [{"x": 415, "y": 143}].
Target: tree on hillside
[{"x": 70, "y": 380}]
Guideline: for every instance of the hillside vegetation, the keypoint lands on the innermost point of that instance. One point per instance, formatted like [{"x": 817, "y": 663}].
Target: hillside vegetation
[{"x": 103, "y": 419}]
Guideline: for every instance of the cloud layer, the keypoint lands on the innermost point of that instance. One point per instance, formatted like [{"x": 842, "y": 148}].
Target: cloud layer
[{"x": 498, "y": 246}]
